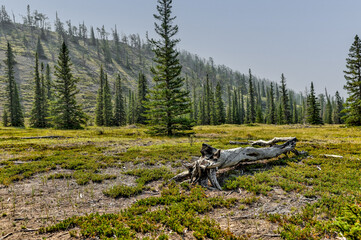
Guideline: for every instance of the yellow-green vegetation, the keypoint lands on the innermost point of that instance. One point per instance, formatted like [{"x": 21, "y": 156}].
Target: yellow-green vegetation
[
  {"x": 176, "y": 210},
  {"x": 145, "y": 176},
  {"x": 84, "y": 155}
]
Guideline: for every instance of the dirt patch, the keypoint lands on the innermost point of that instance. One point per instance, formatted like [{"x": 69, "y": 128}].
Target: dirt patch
[
  {"x": 251, "y": 219},
  {"x": 38, "y": 202}
]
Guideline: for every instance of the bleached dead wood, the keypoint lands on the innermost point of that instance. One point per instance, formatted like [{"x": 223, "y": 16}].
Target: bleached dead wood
[
  {"x": 44, "y": 137},
  {"x": 271, "y": 142},
  {"x": 331, "y": 156},
  {"x": 238, "y": 143},
  {"x": 212, "y": 159}
]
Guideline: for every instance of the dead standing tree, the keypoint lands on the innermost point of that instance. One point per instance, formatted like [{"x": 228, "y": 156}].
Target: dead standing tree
[{"x": 213, "y": 159}]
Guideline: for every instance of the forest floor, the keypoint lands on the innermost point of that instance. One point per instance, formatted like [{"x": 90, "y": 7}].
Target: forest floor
[{"x": 114, "y": 183}]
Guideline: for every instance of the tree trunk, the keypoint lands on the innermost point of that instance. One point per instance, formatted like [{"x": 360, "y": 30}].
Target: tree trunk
[{"x": 213, "y": 159}]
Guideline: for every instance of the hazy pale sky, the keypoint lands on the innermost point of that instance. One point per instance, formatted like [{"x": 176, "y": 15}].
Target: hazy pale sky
[{"x": 306, "y": 40}]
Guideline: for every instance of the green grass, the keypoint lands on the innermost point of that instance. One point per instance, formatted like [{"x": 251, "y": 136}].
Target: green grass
[
  {"x": 177, "y": 210},
  {"x": 331, "y": 183}
]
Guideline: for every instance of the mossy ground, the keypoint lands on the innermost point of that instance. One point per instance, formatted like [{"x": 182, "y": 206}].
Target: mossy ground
[{"x": 94, "y": 178}]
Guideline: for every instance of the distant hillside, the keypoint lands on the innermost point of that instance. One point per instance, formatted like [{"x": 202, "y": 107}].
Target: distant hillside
[{"x": 132, "y": 56}]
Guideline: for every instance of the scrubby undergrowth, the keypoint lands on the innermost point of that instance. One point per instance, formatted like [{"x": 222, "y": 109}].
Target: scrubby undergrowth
[{"x": 142, "y": 165}]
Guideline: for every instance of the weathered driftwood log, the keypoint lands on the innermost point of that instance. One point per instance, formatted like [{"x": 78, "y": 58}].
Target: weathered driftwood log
[
  {"x": 238, "y": 143},
  {"x": 271, "y": 142},
  {"x": 212, "y": 159}
]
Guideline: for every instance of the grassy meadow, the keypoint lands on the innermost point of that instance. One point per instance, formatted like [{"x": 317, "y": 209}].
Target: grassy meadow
[{"x": 114, "y": 183}]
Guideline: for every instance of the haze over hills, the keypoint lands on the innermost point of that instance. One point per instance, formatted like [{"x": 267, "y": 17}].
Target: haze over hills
[{"x": 131, "y": 56}]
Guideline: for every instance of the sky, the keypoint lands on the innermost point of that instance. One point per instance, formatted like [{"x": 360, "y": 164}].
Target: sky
[{"x": 306, "y": 40}]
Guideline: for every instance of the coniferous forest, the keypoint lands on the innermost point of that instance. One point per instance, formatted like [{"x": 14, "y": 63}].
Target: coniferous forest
[
  {"x": 107, "y": 135},
  {"x": 99, "y": 65}
]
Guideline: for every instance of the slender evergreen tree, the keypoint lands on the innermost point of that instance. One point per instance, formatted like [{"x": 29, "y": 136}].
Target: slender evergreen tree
[
  {"x": 12, "y": 105},
  {"x": 67, "y": 114},
  {"x": 107, "y": 105},
  {"x": 195, "y": 105},
  {"x": 5, "y": 118},
  {"x": 142, "y": 99},
  {"x": 272, "y": 107},
  {"x": 99, "y": 109},
  {"x": 49, "y": 84},
  {"x": 40, "y": 49},
  {"x": 119, "y": 108},
  {"x": 286, "y": 115},
  {"x": 93, "y": 41},
  {"x": 220, "y": 115},
  {"x": 353, "y": 84},
  {"x": 169, "y": 102},
  {"x": 37, "y": 116},
  {"x": 229, "y": 107},
  {"x": 295, "y": 113},
  {"x": 338, "y": 109},
  {"x": 252, "y": 107},
  {"x": 328, "y": 109},
  {"x": 313, "y": 108}
]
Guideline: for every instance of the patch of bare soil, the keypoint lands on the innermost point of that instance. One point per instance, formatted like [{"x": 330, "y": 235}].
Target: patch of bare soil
[
  {"x": 37, "y": 202},
  {"x": 251, "y": 220}
]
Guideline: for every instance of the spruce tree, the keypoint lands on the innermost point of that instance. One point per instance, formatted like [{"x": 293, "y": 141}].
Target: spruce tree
[
  {"x": 229, "y": 108},
  {"x": 119, "y": 109},
  {"x": 272, "y": 107},
  {"x": 45, "y": 101},
  {"x": 40, "y": 49},
  {"x": 131, "y": 107},
  {"x": 49, "y": 84},
  {"x": 142, "y": 99},
  {"x": 5, "y": 118},
  {"x": 328, "y": 109},
  {"x": 99, "y": 109},
  {"x": 195, "y": 105},
  {"x": 37, "y": 115},
  {"x": 220, "y": 115},
  {"x": 353, "y": 84},
  {"x": 295, "y": 113},
  {"x": 12, "y": 105},
  {"x": 93, "y": 41},
  {"x": 252, "y": 107},
  {"x": 169, "y": 102},
  {"x": 338, "y": 109},
  {"x": 67, "y": 114},
  {"x": 313, "y": 108},
  {"x": 108, "y": 106},
  {"x": 286, "y": 116}
]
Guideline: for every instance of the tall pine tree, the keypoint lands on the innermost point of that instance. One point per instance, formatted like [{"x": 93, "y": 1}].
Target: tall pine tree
[
  {"x": 67, "y": 114},
  {"x": 119, "y": 108},
  {"x": 107, "y": 105},
  {"x": 286, "y": 115},
  {"x": 142, "y": 99},
  {"x": 12, "y": 106},
  {"x": 99, "y": 109},
  {"x": 169, "y": 102},
  {"x": 313, "y": 108},
  {"x": 353, "y": 84},
  {"x": 252, "y": 105},
  {"x": 220, "y": 115},
  {"x": 37, "y": 117}
]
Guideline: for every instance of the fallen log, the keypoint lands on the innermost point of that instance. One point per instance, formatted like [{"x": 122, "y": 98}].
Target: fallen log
[
  {"x": 238, "y": 143},
  {"x": 331, "y": 156},
  {"x": 212, "y": 159},
  {"x": 44, "y": 137},
  {"x": 271, "y": 142}
]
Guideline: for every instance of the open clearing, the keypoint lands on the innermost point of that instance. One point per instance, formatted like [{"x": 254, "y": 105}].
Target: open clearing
[{"x": 105, "y": 170}]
